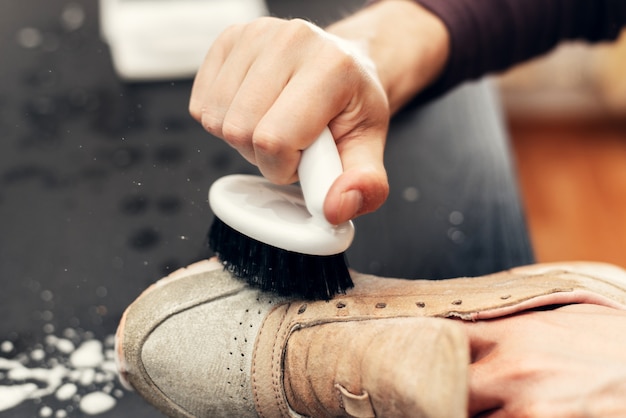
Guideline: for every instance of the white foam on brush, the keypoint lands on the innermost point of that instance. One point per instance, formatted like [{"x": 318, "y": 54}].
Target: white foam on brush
[{"x": 77, "y": 369}]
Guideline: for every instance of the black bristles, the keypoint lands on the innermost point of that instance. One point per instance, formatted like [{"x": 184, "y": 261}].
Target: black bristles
[{"x": 272, "y": 269}]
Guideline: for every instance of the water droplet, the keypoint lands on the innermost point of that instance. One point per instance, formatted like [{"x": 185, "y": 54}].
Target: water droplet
[
  {"x": 145, "y": 239},
  {"x": 169, "y": 154},
  {"x": 457, "y": 236},
  {"x": 411, "y": 194},
  {"x": 34, "y": 285},
  {"x": 101, "y": 291},
  {"x": 169, "y": 205},
  {"x": 125, "y": 157},
  {"x": 29, "y": 37},
  {"x": 46, "y": 295},
  {"x": 134, "y": 205},
  {"x": 72, "y": 16},
  {"x": 456, "y": 218}
]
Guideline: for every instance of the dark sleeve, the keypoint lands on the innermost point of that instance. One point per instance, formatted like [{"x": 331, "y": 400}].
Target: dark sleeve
[{"x": 492, "y": 35}]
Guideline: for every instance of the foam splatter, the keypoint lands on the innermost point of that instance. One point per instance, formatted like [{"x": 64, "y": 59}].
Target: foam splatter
[{"x": 75, "y": 372}]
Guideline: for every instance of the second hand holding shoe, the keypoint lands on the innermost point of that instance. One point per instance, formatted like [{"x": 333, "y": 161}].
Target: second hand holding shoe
[{"x": 201, "y": 343}]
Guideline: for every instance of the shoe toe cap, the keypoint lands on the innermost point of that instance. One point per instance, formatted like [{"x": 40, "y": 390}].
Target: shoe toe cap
[{"x": 187, "y": 345}]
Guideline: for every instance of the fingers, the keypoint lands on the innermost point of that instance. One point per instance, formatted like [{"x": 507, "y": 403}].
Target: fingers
[
  {"x": 236, "y": 84},
  {"x": 256, "y": 91},
  {"x": 270, "y": 87},
  {"x": 295, "y": 119},
  {"x": 485, "y": 399},
  {"x": 363, "y": 187}
]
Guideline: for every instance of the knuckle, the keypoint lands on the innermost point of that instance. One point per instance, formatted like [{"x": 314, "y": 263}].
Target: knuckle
[
  {"x": 345, "y": 63},
  {"x": 378, "y": 192},
  {"x": 260, "y": 27},
  {"x": 232, "y": 31},
  {"x": 195, "y": 110},
  {"x": 276, "y": 177},
  {"x": 235, "y": 134},
  {"x": 274, "y": 158},
  {"x": 342, "y": 59},
  {"x": 211, "y": 123},
  {"x": 267, "y": 143},
  {"x": 262, "y": 24},
  {"x": 297, "y": 27},
  {"x": 378, "y": 180},
  {"x": 295, "y": 34}
]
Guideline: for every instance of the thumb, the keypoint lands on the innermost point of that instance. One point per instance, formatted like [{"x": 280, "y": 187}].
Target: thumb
[{"x": 363, "y": 186}]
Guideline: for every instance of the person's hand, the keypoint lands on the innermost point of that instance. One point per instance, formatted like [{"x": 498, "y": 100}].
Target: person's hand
[
  {"x": 268, "y": 88},
  {"x": 568, "y": 362}
]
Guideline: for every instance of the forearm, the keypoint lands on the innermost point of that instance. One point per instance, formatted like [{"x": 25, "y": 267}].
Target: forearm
[
  {"x": 425, "y": 51},
  {"x": 407, "y": 44}
]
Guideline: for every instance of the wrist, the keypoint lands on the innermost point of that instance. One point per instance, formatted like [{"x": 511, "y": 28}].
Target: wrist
[{"x": 408, "y": 45}]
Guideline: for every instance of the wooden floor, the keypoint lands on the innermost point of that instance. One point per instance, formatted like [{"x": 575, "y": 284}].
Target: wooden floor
[{"x": 573, "y": 179}]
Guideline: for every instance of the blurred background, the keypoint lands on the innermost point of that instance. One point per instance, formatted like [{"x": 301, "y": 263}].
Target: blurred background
[{"x": 567, "y": 118}]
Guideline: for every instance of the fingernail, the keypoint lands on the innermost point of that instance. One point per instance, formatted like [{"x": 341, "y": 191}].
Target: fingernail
[{"x": 350, "y": 204}]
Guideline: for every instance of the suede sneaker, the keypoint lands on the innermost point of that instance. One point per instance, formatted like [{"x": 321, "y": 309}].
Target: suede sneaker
[{"x": 201, "y": 343}]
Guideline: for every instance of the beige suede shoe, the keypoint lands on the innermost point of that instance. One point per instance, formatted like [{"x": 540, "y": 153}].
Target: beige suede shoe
[{"x": 203, "y": 344}]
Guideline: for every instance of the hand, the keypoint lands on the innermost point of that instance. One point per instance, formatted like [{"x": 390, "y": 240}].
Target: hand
[
  {"x": 567, "y": 362},
  {"x": 268, "y": 88}
]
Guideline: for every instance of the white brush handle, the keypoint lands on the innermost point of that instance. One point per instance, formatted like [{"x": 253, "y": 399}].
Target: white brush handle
[{"x": 319, "y": 167}]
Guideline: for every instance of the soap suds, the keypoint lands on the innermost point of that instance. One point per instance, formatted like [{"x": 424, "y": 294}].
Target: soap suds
[
  {"x": 88, "y": 355},
  {"x": 45, "y": 412},
  {"x": 11, "y": 396},
  {"x": 6, "y": 346},
  {"x": 66, "y": 391},
  {"x": 72, "y": 372},
  {"x": 96, "y": 403}
]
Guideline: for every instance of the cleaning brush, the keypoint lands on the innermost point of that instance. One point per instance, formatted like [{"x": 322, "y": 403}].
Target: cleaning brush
[{"x": 276, "y": 237}]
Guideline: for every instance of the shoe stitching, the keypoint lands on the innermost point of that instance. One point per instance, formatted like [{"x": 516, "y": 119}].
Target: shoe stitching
[{"x": 276, "y": 359}]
